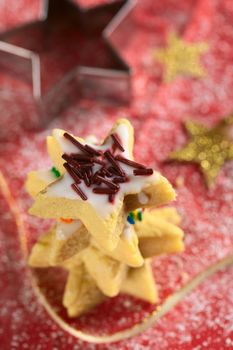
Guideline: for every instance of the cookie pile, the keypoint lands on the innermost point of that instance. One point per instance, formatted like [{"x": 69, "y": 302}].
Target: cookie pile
[{"x": 107, "y": 228}]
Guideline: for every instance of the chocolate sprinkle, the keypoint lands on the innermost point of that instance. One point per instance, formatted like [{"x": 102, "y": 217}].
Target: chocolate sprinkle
[
  {"x": 81, "y": 168},
  {"x": 117, "y": 142},
  {"x": 104, "y": 190},
  {"x": 70, "y": 160},
  {"x": 113, "y": 171},
  {"x": 81, "y": 157},
  {"x": 78, "y": 190},
  {"x": 76, "y": 143},
  {"x": 107, "y": 182},
  {"x": 112, "y": 160},
  {"x": 105, "y": 172},
  {"x": 98, "y": 161},
  {"x": 92, "y": 150},
  {"x": 86, "y": 165},
  {"x": 130, "y": 162},
  {"x": 122, "y": 179},
  {"x": 139, "y": 172},
  {"x": 73, "y": 174},
  {"x": 78, "y": 172},
  {"x": 86, "y": 179}
]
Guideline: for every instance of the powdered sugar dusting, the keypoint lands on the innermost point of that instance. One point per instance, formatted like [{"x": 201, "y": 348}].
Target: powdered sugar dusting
[{"x": 203, "y": 319}]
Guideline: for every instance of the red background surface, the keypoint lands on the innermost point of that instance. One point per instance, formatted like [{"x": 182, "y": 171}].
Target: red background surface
[{"x": 205, "y": 318}]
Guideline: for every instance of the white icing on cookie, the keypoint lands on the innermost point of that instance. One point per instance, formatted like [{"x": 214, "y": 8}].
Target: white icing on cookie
[
  {"x": 62, "y": 188},
  {"x": 92, "y": 140},
  {"x": 128, "y": 231}
]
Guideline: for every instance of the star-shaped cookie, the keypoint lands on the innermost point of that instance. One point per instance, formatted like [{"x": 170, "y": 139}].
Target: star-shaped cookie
[
  {"x": 92, "y": 190},
  {"x": 94, "y": 275},
  {"x": 98, "y": 184}
]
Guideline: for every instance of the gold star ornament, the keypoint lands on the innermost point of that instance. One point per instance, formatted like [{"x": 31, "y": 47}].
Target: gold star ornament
[
  {"x": 209, "y": 148},
  {"x": 181, "y": 58}
]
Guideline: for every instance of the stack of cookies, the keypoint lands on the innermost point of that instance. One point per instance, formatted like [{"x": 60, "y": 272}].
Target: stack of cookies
[{"x": 107, "y": 227}]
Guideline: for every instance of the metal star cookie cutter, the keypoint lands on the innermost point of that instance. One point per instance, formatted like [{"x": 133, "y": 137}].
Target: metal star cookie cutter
[{"x": 25, "y": 51}]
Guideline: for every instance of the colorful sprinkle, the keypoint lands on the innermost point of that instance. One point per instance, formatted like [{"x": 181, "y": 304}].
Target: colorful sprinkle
[
  {"x": 140, "y": 215},
  {"x": 135, "y": 215},
  {"x": 131, "y": 214},
  {"x": 130, "y": 220},
  {"x": 55, "y": 172},
  {"x": 66, "y": 220}
]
